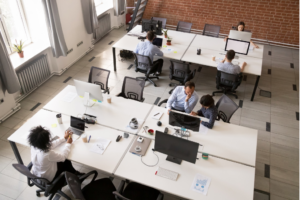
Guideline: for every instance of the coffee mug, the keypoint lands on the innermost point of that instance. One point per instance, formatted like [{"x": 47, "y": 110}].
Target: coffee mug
[{"x": 150, "y": 131}]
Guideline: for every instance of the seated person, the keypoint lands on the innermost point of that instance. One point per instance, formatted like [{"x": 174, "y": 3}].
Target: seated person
[
  {"x": 241, "y": 27},
  {"x": 183, "y": 98},
  {"x": 148, "y": 49},
  {"x": 208, "y": 110},
  {"x": 226, "y": 65},
  {"x": 47, "y": 163}
]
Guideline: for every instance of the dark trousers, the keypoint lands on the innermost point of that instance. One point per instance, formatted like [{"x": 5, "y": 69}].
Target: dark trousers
[
  {"x": 65, "y": 166},
  {"x": 159, "y": 64}
]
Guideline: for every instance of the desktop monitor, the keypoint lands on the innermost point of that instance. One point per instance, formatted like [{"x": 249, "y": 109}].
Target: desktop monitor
[
  {"x": 152, "y": 25},
  {"x": 176, "y": 148},
  {"x": 157, "y": 42},
  {"x": 185, "y": 121},
  {"x": 88, "y": 91},
  {"x": 240, "y": 35},
  {"x": 240, "y": 47}
]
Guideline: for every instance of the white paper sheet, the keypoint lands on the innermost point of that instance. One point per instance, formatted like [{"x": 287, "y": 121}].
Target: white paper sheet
[
  {"x": 157, "y": 115},
  {"x": 201, "y": 184},
  {"x": 203, "y": 129},
  {"x": 69, "y": 97},
  {"x": 100, "y": 146}
]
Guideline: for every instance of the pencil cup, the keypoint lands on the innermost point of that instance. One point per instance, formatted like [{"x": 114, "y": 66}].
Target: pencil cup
[
  {"x": 84, "y": 138},
  {"x": 58, "y": 117},
  {"x": 213, "y": 58},
  {"x": 108, "y": 99}
]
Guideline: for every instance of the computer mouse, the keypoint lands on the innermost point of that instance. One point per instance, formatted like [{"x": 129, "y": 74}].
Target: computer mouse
[{"x": 159, "y": 123}]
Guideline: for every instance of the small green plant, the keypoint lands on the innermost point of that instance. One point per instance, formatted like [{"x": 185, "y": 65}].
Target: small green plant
[
  {"x": 165, "y": 31},
  {"x": 18, "y": 47},
  {"x": 169, "y": 39}
]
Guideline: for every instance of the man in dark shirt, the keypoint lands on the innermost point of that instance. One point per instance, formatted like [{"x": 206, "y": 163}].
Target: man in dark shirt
[{"x": 208, "y": 110}]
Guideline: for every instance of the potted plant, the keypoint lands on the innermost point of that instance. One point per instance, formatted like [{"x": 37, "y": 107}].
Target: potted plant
[
  {"x": 169, "y": 41},
  {"x": 18, "y": 47},
  {"x": 165, "y": 32}
]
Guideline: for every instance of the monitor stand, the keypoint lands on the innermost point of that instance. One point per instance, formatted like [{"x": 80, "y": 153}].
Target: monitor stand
[
  {"x": 86, "y": 100},
  {"x": 174, "y": 160}
]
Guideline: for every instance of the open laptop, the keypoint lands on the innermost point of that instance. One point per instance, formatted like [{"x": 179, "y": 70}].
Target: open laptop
[
  {"x": 77, "y": 125},
  {"x": 157, "y": 42}
]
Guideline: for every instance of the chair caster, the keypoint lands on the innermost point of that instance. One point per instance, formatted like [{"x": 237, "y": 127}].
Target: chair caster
[
  {"x": 170, "y": 84},
  {"x": 170, "y": 92},
  {"x": 38, "y": 194}
]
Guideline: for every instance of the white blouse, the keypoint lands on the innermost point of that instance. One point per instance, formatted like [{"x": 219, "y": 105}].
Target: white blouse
[{"x": 45, "y": 164}]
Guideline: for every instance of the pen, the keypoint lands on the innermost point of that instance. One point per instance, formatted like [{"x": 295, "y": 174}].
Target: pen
[
  {"x": 156, "y": 114},
  {"x": 89, "y": 139}
]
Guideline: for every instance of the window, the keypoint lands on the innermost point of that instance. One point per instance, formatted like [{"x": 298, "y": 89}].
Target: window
[
  {"x": 12, "y": 23},
  {"x": 102, "y": 6}
]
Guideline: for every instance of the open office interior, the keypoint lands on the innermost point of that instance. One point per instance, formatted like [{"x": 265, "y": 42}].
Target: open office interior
[{"x": 149, "y": 131}]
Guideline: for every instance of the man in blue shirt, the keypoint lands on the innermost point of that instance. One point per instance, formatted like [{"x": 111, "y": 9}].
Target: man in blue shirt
[
  {"x": 228, "y": 67},
  {"x": 148, "y": 49},
  {"x": 183, "y": 98}
]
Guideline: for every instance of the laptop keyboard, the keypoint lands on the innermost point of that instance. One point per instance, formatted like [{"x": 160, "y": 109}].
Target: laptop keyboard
[{"x": 77, "y": 132}]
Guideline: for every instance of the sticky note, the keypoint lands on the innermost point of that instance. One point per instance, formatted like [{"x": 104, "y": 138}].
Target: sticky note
[
  {"x": 94, "y": 100},
  {"x": 81, "y": 96},
  {"x": 164, "y": 46},
  {"x": 175, "y": 51},
  {"x": 99, "y": 101},
  {"x": 54, "y": 125}
]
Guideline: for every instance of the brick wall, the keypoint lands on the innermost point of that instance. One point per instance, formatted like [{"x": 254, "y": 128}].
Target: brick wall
[{"x": 274, "y": 20}]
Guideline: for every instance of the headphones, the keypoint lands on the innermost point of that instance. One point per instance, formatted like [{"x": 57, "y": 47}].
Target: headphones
[{"x": 134, "y": 123}]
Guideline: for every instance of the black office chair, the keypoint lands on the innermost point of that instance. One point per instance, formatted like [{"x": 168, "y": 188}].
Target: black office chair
[
  {"x": 136, "y": 191},
  {"x": 184, "y": 27},
  {"x": 49, "y": 188},
  {"x": 180, "y": 71},
  {"x": 211, "y": 30},
  {"x": 100, "y": 77},
  {"x": 226, "y": 108},
  {"x": 132, "y": 88},
  {"x": 163, "y": 20},
  {"x": 144, "y": 65},
  {"x": 101, "y": 189},
  {"x": 228, "y": 83}
]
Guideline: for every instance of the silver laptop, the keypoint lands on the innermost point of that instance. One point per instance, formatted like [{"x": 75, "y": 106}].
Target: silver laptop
[{"x": 77, "y": 125}]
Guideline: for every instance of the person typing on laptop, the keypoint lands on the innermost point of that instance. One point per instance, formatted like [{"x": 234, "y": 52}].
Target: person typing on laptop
[
  {"x": 148, "y": 49},
  {"x": 183, "y": 98},
  {"x": 228, "y": 67},
  {"x": 46, "y": 162}
]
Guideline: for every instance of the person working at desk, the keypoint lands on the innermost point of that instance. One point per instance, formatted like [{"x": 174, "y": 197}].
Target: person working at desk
[
  {"x": 148, "y": 49},
  {"x": 46, "y": 162},
  {"x": 208, "y": 110},
  {"x": 183, "y": 98},
  {"x": 226, "y": 65},
  {"x": 241, "y": 27}
]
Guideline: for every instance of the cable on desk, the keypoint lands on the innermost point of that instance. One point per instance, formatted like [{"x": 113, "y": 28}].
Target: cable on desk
[{"x": 151, "y": 165}]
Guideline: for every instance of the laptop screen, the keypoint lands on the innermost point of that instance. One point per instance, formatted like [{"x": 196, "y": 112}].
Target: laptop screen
[
  {"x": 77, "y": 123},
  {"x": 157, "y": 42}
]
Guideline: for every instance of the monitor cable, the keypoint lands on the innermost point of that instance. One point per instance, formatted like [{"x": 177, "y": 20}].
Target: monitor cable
[{"x": 151, "y": 165}]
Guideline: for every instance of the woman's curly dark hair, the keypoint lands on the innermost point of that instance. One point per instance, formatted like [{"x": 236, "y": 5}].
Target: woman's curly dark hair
[{"x": 40, "y": 138}]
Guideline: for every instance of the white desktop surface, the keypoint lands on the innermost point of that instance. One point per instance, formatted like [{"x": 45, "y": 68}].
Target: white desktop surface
[
  {"x": 229, "y": 180},
  {"x": 254, "y": 65},
  {"x": 218, "y": 44},
  {"x": 80, "y": 151},
  {"x": 116, "y": 115},
  {"x": 229, "y": 141}
]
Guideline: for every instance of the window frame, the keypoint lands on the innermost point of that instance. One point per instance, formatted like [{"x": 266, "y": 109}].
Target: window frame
[
  {"x": 3, "y": 29},
  {"x": 104, "y": 10}
]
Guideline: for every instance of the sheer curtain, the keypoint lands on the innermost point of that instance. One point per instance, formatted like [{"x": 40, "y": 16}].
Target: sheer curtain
[
  {"x": 90, "y": 17},
  {"x": 56, "y": 36},
  {"x": 119, "y": 7}
]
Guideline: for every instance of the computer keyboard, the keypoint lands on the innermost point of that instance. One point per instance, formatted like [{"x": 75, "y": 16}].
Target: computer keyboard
[
  {"x": 74, "y": 131},
  {"x": 167, "y": 174}
]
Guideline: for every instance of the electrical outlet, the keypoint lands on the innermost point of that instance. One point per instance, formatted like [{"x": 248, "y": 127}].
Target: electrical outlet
[
  {"x": 70, "y": 51},
  {"x": 80, "y": 43}
]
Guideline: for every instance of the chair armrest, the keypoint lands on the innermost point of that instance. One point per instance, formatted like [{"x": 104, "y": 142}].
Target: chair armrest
[
  {"x": 160, "y": 196},
  {"x": 119, "y": 196},
  {"x": 143, "y": 99},
  {"x": 83, "y": 177},
  {"x": 163, "y": 101},
  {"x": 29, "y": 166},
  {"x": 121, "y": 187}
]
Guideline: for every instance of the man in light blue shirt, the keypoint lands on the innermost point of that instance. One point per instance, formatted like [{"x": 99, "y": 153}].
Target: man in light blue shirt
[
  {"x": 148, "y": 49},
  {"x": 183, "y": 98},
  {"x": 228, "y": 67}
]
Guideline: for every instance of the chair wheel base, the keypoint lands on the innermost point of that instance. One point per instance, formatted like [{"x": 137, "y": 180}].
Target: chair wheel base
[{"x": 38, "y": 194}]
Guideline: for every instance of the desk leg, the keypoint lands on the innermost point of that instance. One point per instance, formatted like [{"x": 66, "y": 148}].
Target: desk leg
[
  {"x": 16, "y": 152},
  {"x": 114, "y": 55},
  {"x": 255, "y": 86}
]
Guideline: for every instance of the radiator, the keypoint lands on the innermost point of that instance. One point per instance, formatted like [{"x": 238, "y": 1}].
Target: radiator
[
  {"x": 33, "y": 74},
  {"x": 104, "y": 23}
]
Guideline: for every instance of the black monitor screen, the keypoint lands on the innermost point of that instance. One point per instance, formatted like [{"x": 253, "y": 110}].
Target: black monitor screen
[
  {"x": 157, "y": 42},
  {"x": 176, "y": 147},
  {"x": 185, "y": 121},
  {"x": 77, "y": 123}
]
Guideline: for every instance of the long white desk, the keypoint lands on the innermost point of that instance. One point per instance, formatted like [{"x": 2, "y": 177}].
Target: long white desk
[
  {"x": 80, "y": 151},
  {"x": 229, "y": 180},
  {"x": 115, "y": 115},
  {"x": 228, "y": 141}
]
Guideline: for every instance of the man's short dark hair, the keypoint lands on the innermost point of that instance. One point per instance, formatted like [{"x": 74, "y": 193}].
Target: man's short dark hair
[
  {"x": 40, "y": 138},
  {"x": 207, "y": 100},
  {"x": 150, "y": 35},
  {"x": 189, "y": 84},
  {"x": 230, "y": 55}
]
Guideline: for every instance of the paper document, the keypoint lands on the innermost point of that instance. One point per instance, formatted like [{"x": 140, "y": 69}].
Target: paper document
[
  {"x": 201, "y": 184},
  {"x": 157, "y": 115},
  {"x": 203, "y": 129},
  {"x": 69, "y": 97},
  {"x": 100, "y": 146}
]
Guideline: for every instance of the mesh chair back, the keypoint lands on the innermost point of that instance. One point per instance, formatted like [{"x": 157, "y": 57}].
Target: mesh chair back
[
  {"x": 142, "y": 62},
  {"x": 74, "y": 185},
  {"x": 226, "y": 79},
  {"x": 179, "y": 70},
  {"x": 211, "y": 30},
  {"x": 41, "y": 182},
  {"x": 99, "y": 76},
  {"x": 184, "y": 27},
  {"x": 133, "y": 88},
  {"x": 226, "y": 108},
  {"x": 163, "y": 20}
]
